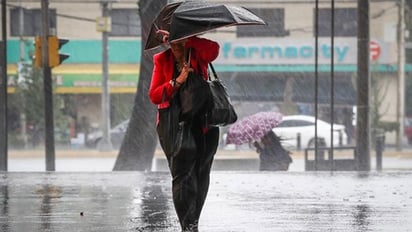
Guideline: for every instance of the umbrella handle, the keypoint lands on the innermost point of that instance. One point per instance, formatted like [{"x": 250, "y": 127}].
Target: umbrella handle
[
  {"x": 189, "y": 57},
  {"x": 164, "y": 33}
]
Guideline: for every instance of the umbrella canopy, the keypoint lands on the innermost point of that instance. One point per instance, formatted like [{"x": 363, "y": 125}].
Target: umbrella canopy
[
  {"x": 190, "y": 18},
  {"x": 252, "y": 127},
  {"x": 162, "y": 21}
]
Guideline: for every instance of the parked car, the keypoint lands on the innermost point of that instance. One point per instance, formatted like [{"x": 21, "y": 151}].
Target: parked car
[
  {"x": 408, "y": 129},
  {"x": 116, "y": 136},
  {"x": 303, "y": 125}
]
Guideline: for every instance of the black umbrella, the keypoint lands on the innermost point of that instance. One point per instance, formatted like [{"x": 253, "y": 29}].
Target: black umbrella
[
  {"x": 162, "y": 21},
  {"x": 186, "y": 19}
]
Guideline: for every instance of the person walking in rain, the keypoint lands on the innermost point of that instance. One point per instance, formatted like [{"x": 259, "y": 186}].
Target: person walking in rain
[
  {"x": 190, "y": 172},
  {"x": 272, "y": 155}
]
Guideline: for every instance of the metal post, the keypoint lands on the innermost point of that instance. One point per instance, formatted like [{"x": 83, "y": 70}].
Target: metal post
[
  {"x": 363, "y": 83},
  {"x": 21, "y": 32},
  {"x": 316, "y": 78},
  {"x": 106, "y": 144},
  {"x": 332, "y": 80},
  {"x": 3, "y": 90},
  {"x": 379, "y": 146},
  {"x": 400, "y": 83},
  {"x": 48, "y": 91}
]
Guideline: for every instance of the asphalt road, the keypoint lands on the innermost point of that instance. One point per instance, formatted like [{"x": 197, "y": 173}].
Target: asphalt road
[{"x": 237, "y": 202}]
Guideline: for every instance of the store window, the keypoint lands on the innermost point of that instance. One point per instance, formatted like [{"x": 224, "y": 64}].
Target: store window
[
  {"x": 32, "y": 21},
  {"x": 345, "y": 22},
  {"x": 125, "y": 22},
  {"x": 275, "y": 19}
]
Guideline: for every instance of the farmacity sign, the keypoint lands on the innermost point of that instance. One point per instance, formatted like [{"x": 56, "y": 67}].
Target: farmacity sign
[{"x": 292, "y": 51}]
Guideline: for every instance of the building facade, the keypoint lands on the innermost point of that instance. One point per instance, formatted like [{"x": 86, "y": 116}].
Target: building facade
[{"x": 273, "y": 65}]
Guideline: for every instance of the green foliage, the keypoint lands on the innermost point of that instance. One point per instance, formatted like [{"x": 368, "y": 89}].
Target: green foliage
[
  {"x": 388, "y": 126},
  {"x": 121, "y": 107},
  {"x": 29, "y": 100},
  {"x": 15, "y": 140}
]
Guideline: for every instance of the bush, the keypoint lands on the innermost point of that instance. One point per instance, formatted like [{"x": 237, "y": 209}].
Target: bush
[
  {"x": 388, "y": 126},
  {"x": 15, "y": 141}
]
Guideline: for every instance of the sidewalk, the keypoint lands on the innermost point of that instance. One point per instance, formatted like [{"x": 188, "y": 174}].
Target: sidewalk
[
  {"x": 243, "y": 160},
  {"x": 221, "y": 154},
  {"x": 237, "y": 202}
]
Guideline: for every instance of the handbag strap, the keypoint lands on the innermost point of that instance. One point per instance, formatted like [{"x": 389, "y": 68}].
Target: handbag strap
[{"x": 213, "y": 71}]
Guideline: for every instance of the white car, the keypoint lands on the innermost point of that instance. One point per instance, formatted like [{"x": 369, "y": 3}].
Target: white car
[
  {"x": 117, "y": 134},
  {"x": 303, "y": 125}
]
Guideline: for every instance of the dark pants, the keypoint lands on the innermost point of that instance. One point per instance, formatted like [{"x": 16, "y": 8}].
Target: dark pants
[
  {"x": 191, "y": 178},
  {"x": 274, "y": 158}
]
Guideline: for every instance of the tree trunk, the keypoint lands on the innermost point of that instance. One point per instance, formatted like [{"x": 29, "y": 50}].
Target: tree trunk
[{"x": 139, "y": 144}]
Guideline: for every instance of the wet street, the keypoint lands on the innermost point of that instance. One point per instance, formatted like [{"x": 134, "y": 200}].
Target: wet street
[{"x": 238, "y": 201}]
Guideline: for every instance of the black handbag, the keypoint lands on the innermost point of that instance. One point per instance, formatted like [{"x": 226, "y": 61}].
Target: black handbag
[
  {"x": 195, "y": 96},
  {"x": 175, "y": 136},
  {"x": 184, "y": 143},
  {"x": 169, "y": 124},
  {"x": 222, "y": 112}
]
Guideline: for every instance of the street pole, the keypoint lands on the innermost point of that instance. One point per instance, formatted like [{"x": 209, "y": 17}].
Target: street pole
[
  {"x": 363, "y": 85},
  {"x": 22, "y": 63},
  {"x": 400, "y": 83},
  {"x": 48, "y": 91},
  {"x": 106, "y": 144},
  {"x": 3, "y": 90}
]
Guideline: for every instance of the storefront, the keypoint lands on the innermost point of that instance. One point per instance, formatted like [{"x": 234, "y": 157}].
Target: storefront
[{"x": 274, "y": 71}]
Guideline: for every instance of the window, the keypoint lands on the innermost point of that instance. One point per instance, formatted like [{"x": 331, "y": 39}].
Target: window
[
  {"x": 275, "y": 20},
  {"x": 125, "y": 22},
  {"x": 345, "y": 22},
  {"x": 294, "y": 123},
  {"x": 32, "y": 21},
  {"x": 303, "y": 123},
  {"x": 284, "y": 124}
]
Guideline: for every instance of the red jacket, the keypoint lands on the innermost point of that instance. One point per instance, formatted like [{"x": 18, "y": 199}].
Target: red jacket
[{"x": 204, "y": 51}]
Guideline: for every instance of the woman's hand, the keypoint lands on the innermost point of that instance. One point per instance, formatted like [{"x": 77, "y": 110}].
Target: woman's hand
[
  {"x": 183, "y": 74},
  {"x": 165, "y": 35}
]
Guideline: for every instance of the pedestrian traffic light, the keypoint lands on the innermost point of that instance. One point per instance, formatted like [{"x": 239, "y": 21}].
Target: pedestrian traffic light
[
  {"x": 37, "y": 52},
  {"x": 56, "y": 58}
]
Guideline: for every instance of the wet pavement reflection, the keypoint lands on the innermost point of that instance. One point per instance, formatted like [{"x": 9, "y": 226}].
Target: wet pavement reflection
[{"x": 237, "y": 201}]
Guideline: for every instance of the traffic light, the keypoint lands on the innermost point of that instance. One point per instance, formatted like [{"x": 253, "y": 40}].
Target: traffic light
[
  {"x": 55, "y": 58},
  {"x": 37, "y": 52},
  {"x": 54, "y": 44}
]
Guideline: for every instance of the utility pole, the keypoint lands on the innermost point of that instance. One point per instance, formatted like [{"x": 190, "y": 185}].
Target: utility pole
[
  {"x": 400, "y": 83},
  {"x": 3, "y": 89},
  {"x": 363, "y": 84},
  {"x": 105, "y": 144},
  {"x": 22, "y": 65},
  {"x": 48, "y": 90}
]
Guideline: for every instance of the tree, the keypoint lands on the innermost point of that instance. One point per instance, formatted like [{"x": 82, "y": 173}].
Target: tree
[
  {"x": 29, "y": 101},
  {"x": 139, "y": 144}
]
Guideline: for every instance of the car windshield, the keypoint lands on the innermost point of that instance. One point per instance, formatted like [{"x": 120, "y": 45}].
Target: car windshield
[{"x": 294, "y": 123}]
